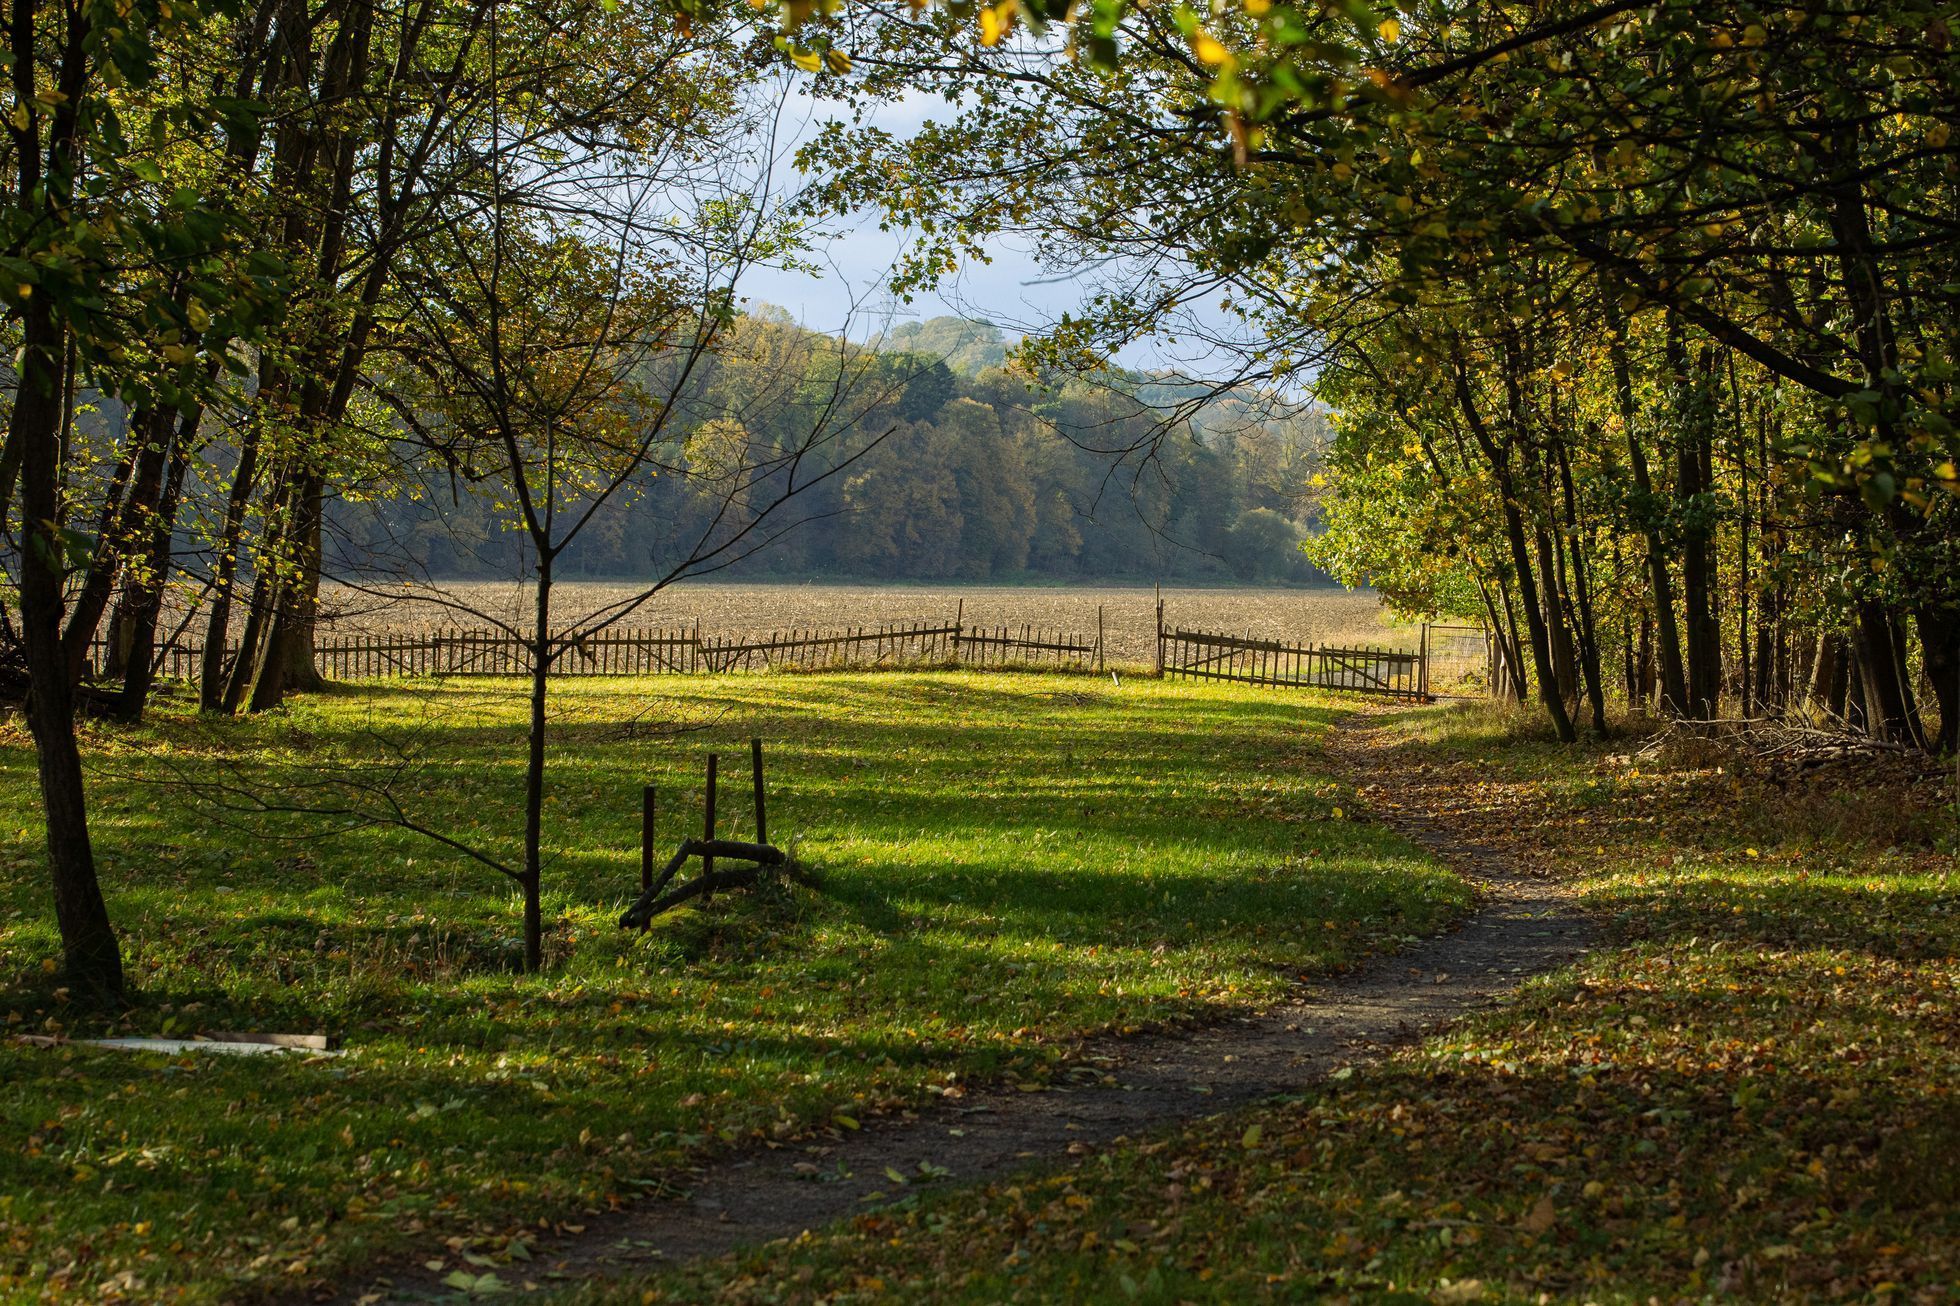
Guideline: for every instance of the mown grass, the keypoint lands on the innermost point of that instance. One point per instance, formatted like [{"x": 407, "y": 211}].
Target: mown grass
[
  {"x": 1747, "y": 1093},
  {"x": 1002, "y": 864}
]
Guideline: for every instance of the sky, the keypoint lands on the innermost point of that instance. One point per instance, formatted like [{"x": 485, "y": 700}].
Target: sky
[{"x": 1012, "y": 290}]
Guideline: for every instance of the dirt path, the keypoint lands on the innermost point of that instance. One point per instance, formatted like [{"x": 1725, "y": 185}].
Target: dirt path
[{"x": 1527, "y": 923}]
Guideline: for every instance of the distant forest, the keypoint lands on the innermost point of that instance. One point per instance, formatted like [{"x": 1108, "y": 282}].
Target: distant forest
[{"x": 946, "y": 464}]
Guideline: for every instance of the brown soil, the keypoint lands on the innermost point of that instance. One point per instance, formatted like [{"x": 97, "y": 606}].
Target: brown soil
[{"x": 1320, "y": 616}]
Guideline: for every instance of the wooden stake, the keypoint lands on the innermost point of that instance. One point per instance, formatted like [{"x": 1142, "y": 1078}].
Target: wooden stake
[
  {"x": 708, "y": 818},
  {"x": 1160, "y": 633},
  {"x": 755, "y": 770},
  {"x": 646, "y": 838}
]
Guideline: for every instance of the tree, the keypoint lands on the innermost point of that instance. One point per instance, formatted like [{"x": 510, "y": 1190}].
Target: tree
[
  {"x": 1768, "y": 197},
  {"x": 86, "y": 234}
]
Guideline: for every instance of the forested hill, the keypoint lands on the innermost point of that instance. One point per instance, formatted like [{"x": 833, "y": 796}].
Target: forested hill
[{"x": 949, "y": 466}]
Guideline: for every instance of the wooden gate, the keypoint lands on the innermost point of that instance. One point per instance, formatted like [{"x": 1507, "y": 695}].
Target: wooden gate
[{"x": 1213, "y": 655}]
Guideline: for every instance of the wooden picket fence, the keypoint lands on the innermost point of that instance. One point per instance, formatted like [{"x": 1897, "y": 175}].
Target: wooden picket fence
[
  {"x": 654, "y": 652},
  {"x": 896, "y": 644},
  {"x": 1450, "y": 660}
]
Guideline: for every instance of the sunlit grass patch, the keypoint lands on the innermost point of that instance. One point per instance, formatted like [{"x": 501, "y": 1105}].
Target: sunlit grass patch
[
  {"x": 1745, "y": 1094},
  {"x": 1001, "y": 865}
]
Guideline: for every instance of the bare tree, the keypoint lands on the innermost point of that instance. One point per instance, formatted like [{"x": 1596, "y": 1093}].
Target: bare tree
[{"x": 561, "y": 326}]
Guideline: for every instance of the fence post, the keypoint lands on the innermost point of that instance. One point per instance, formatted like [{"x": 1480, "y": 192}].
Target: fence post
[
  {"x": 959, "y": 624},
  {"x": 1160, "y": 634},
  {"x": 1422, "y": 667},
  {"x": 755, "y": 770},
  {"x": 708, "y": 823},
  {"x": 646, "y": 838},
  {"x": 1099, "y": 637}
]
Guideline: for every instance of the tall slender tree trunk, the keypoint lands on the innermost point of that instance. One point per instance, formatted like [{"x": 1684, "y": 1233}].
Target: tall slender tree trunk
[
  {"x": 1667, "y": 635},
  {"x": 1693, "y": 498},
  {"x": 143, "y": 596},
  {"x": 1515, "y": 535},
  {"x": 131, "y": 499},
  {"x": 1646, "y": 683},
  {"x": 1830, "y": 675},
  {"x": 92, "y": 957},
  {"x": 1764, "y": 695},
  {"x": 269, "y": 576},
  {"x": 251, "y": 639},
  {"x": 1512, "y": 643},
  {"x": 534, "y": 769},
  {"x": 44, "y": 171},
  {"x": 1553, "y": 602},
  {"x": 287, "y": 662},
  {"x": 214, "y": 671},
  {"x": 1589, "y": 660}
]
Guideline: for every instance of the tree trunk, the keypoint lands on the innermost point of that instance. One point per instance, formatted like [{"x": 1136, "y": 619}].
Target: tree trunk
[
  {"x": 1514, "y": 531},
  {"x": 1549, "y": 692},
  {"x": 1939, "y": 638},
  {"x": 1890, "y": 713},
  {"x": 1835, "y": 668},
  {"x": 131, "y": 498},
  {"x": 1629, "y": 665},
  {"x": 9, "y": 474},
  {"x": 1648, "y": 681},
  {"x": 302, "y": 669},
  {"x": 1553, "y": 603},
  {"x": 534, "y": 772},
  {"x": 289, "y": 646},
  {"x": 214, "y": 672},
  {"x": 251, "y": 641},
  {"x": 1667, "y": 635},
  {"x": 1693, "y": 493},
  {"x": 1507, "y": 682},
  {"x": 1589, "y": 661},
  {"x": 92, "y": 957},
  {"x": 266, "y": 584},
  {"x": 143, "y": 596}
]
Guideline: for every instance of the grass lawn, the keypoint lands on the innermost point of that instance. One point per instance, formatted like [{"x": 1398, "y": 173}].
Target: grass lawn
[
  {"x": 1748, "y": 1093},
  {"x": 1006, "y": 864}
]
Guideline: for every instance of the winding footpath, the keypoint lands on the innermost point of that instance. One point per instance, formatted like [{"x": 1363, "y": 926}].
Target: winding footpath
[{"x": 1526, "y": 923}]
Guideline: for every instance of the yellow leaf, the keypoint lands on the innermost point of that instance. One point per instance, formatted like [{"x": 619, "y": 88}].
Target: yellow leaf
[
  {"x": 1208, "y": 50},
  {"x": 839, "y": 62},
  {"x": 1258, "y": 8},
  {"x": 1391, "y": 30},
  {"x": 808, "y": 60},
  {"x": 1252, "y": 1136},
  {"x": 995, "y": 22},
  {"x": 1540, "y": 1217}
]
